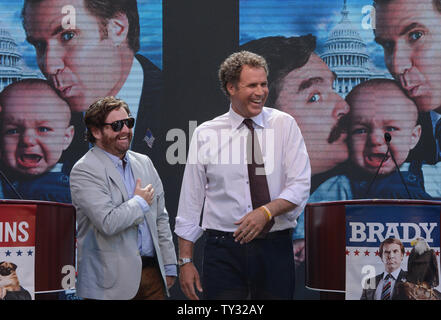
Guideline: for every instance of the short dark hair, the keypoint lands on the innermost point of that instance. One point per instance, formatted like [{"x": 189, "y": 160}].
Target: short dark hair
[
  {"x": 105, "y": 10},
  {"x": 283, "y": 54},
  {"x": 391, "y": 241},
  {"x": 436, "y": 3},
  {"x": 97, "y": 113}
]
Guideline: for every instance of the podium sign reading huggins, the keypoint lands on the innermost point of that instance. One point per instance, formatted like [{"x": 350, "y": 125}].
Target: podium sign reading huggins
[
  {"x": 403, "y": 241},
  {"x": 17, "y": 252}
]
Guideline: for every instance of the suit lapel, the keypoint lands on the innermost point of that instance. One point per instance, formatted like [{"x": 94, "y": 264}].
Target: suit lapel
[
  {"x": 139, "y": 172},
  {"x": 402, "y": 277},
  {"x": 426, "y": 147},
  {"x": 149, "y": 112},
  {"x": 112, "y": 172},
  {"x": 378, "y": 279},
  {"x": 136, "y": 167}
]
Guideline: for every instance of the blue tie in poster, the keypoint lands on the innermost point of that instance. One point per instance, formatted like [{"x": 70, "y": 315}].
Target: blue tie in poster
[{"x": 392, "y": 252}]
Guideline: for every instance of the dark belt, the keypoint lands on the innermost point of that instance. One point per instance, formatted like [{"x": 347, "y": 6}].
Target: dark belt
[
  {"x": 149, "y": 262},
  {"x": 269, "y": 235}
]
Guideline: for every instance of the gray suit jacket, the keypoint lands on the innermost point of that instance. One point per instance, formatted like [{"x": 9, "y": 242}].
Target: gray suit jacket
[{"x": 109, "y": 263}]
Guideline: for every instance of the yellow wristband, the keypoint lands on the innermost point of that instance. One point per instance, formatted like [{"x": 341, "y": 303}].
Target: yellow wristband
[{"x": 268, "y": 213}]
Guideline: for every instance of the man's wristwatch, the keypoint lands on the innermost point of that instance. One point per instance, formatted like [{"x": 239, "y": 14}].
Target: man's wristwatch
[{"x": 182, "y": 261}]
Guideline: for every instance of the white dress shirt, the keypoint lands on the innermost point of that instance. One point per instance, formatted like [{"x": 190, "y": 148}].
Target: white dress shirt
[{"x": 216, "y": 173}]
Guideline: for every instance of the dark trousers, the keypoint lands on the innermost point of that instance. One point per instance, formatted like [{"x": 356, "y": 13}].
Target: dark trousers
[{"x": 262, "y": 269}]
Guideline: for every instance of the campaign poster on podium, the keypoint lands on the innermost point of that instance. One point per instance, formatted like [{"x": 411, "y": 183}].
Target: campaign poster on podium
[
  {"x": 17, "y": 252},
  {"x": 403, "y": 241}
]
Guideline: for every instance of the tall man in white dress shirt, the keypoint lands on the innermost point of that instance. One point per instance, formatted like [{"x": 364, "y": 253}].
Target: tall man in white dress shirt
[{"x": 242, "y": 259}]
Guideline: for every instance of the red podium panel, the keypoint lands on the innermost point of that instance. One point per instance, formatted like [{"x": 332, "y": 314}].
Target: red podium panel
[
  {"x": 325, "y": 243},
  {"x": 54, "y": 243}
]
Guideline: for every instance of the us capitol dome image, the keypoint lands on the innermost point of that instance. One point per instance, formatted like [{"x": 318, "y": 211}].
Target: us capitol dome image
[
  {"x": 12, "y": 67},
  {"x": 346, "y": 54}
]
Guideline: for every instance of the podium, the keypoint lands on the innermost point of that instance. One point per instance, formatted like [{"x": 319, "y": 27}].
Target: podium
[
  {"x": 325, "y": 243},
  {"x": 54, "y": 243}
]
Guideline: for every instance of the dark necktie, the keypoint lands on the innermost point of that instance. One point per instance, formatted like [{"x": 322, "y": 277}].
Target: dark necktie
[
  {"x": 256, "y": 173},
  {"x": 385, "y": 293}
]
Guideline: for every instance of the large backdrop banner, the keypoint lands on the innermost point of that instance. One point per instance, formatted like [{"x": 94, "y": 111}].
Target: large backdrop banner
[{"x": 348, "y": 71}]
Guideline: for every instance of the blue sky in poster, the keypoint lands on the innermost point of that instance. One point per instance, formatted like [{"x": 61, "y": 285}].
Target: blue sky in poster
[
  {"x": 261, "y": 18},
  {"x": 150, "y": 12}
]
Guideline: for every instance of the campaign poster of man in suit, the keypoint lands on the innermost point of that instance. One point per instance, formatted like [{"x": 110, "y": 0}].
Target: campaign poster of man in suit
[
  {"x": 379, "y": 244},
  {"x": 383, "y": 286}
]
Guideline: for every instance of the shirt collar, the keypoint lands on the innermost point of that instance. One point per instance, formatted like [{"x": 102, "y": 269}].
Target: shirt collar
[
  {"x": 236, "y": 119},
  {"x": 57, "y": 168},
  {"x": 116, "y": 160},
  {"x": 394, "y": 273},
  {"x": 132, "y": 88}
]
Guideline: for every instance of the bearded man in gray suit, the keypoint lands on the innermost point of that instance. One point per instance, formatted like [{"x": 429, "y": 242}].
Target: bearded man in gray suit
[{"x": 125, "y": 246}]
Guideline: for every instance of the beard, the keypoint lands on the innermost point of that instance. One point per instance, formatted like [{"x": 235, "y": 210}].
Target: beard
[{"x": 117, "y": 147}]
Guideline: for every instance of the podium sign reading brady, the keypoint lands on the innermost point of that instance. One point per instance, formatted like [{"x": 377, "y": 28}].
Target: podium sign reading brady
[
  {"x": 17, "y": 252},
  {"x": 392, "y": 252}
]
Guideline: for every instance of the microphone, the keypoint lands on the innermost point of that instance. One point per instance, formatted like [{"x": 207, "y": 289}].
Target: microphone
[{"x": 388, "y": 138}]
